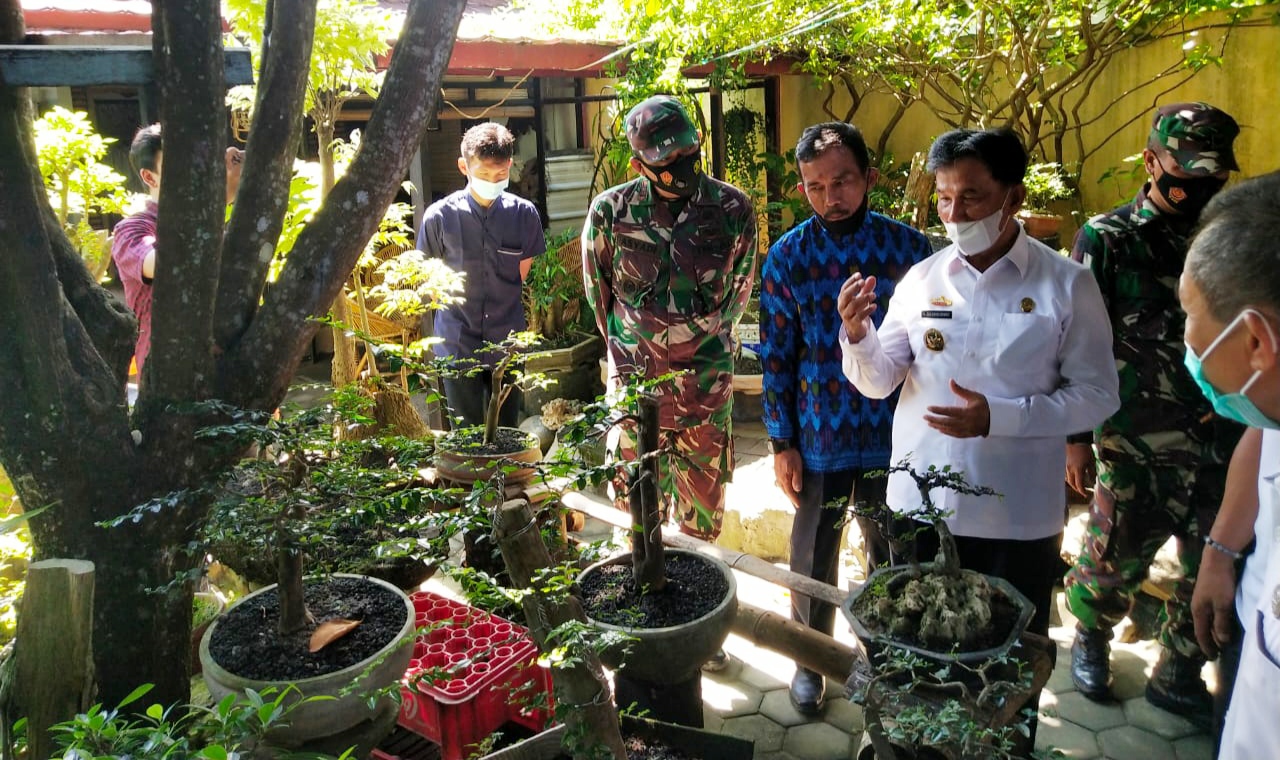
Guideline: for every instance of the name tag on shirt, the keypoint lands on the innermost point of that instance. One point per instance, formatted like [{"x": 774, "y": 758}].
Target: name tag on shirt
[{"x": 935, "y": 314}]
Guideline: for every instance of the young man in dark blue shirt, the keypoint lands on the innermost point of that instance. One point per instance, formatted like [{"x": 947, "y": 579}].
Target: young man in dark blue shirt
[
  {"x": 491, "y": 236},
  {"x": 824, "y": 435}
]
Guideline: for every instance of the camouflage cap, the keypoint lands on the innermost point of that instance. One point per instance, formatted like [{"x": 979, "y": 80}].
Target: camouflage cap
[
  {"x": 659, "y": 126},
  {"x": 1198, "y": 136}
]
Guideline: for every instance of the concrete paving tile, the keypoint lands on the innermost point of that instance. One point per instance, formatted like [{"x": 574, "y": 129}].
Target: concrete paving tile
[
  {"x": 1133, "y": 743},
  {"x": 844, "y": 715},
  {"x": 774, "y": 755},
  {"x": 1095, "y": 716},
  {"x": 777, "y": 706},
  {"x": 1130, "y": 666},
  {"x": 1075, "y": 742},
  {"x": 711, "y": 720},
  {"x": 765, "y": 733},
  {"x": 1142, "y": 714},
  {"x": 730, "y": 698},
  {"x": 1198, "y": 747},
  {"x": 760, "y": 679},
  {"x": 759, "y": 446},
  {"x": 818, "y": 741}
]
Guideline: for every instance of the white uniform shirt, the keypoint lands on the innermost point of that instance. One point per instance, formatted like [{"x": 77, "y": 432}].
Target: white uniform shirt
[
  {"x": 1265, "y": 531},
  {"x": 1252, "y": 731},
  {"x": 1032, "y": 335}
]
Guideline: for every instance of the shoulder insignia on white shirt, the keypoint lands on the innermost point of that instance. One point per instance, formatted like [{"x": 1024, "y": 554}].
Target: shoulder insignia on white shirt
[
  {"x": 933, "y": 339},
  {"x": 1028, "y": 305},
  {"x": 939, "y": 301}
]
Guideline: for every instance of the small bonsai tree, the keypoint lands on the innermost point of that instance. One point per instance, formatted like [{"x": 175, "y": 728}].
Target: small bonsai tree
[
  {"x": 310, "y": 494},
  {"x": 506, "y": 375},
  {"x": 940, "y": 605}
]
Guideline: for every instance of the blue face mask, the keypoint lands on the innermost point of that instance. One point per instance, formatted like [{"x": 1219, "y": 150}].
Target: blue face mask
[{"x": 1233, "y": 406}]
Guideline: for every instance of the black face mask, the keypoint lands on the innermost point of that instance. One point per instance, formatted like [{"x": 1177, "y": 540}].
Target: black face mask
[
  {"x": 847, "y": 226},
  {"x": 1188, "y": 195},
  {"x": 680, "y": 177}
]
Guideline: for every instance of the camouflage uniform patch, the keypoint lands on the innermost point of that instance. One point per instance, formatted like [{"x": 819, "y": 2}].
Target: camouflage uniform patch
[{"x": 668, "y": 291}]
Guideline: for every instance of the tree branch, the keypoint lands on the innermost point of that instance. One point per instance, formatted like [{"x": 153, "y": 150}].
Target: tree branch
[
  {"x": 328, "y": 248},
  {"x": 258, "y": 216},
  {"x": 192, "y": 201}
]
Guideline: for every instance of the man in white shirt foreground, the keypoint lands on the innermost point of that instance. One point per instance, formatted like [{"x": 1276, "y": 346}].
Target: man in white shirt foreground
[
  {"x": 1002, "y": 348},
  {"x": 1230, "y": 290}
]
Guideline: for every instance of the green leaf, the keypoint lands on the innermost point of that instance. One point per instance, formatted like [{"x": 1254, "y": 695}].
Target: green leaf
[{"x": 136, "y": 694}]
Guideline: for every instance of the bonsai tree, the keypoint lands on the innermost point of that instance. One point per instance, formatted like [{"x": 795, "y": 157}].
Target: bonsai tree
[
  {"x": 940, "y": 605},
  {"x": 507, "y": 375},
  {"x": 314, "y": 494}
]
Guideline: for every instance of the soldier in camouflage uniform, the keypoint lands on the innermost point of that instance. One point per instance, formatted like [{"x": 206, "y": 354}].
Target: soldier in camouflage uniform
[
  {"x": 1161, "y": 459},
  {"x": 667, "y": 261}
]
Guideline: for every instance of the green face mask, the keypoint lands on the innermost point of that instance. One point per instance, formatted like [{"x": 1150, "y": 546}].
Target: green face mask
[{"x": 1233, "y": 406}]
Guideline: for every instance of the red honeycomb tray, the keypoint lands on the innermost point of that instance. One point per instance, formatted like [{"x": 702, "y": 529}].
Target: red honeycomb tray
[{"x": 469, "y": 674}]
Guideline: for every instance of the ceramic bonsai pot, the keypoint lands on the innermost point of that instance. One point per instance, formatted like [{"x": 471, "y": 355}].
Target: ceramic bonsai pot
[
  {"x": 671, "y": 654},
  {"x": 462, "y": 466},
  {"x": 336, "y": 712}
]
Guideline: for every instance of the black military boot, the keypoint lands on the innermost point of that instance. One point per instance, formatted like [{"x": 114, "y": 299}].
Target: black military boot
[
  {"x": 1091, "y": 663},
  {"x": 1176, "y": 687}
]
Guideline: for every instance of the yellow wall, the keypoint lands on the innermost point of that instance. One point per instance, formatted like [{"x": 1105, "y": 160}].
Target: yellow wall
[{"x": 1247, "y": 86}]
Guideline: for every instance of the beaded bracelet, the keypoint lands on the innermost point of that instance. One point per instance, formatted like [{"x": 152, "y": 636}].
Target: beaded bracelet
[{"x": 1232, "y": 553}]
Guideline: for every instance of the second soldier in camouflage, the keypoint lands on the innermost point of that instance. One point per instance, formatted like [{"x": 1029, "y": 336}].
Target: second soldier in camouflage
[{"x": 1161, "y": 459}]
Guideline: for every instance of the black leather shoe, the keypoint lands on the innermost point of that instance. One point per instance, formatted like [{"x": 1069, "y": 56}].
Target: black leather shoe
[
  {"x": 1091, "y": 663},
  {"x": 807, "y": 692},
  {"x": 1176, "y": 687}
]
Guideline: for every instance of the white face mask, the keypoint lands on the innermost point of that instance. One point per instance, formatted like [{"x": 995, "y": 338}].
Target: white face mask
[
  {"x": 487, "y": 190},
  {"x": 977, "y": 236}
]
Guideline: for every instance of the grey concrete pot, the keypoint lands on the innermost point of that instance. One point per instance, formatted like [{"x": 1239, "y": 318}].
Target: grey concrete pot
[
  {"x": 673, "y": 654},
  {"x": 336, "y": 713}
]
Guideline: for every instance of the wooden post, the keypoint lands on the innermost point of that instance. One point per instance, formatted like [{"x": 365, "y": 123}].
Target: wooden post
[
  {"x": 54, "y": 648},
  {"x": 581, "y": 685}
]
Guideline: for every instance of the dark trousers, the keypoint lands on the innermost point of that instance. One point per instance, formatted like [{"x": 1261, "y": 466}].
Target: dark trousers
[
  {"x": 1030, "y": 566},
  {"x": 468, "y": 398},
  {"x": 816, "y": 531}
]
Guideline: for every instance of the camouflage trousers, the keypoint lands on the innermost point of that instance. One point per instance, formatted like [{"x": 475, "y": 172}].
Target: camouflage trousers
[
  {"x": 691, "y": 478},
  {"x": 1147, "y": 506}
]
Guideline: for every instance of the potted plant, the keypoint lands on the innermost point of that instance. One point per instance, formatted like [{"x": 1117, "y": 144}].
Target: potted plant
[
  {"x": 556, "y": 310},
  {"x": 340, "y": 637},
  {"x": 470, "y": 454},
  {"x": 1044, "y": 183},
  {"x": 676, "y": 605},
  {"x": 937, "y": 636}
]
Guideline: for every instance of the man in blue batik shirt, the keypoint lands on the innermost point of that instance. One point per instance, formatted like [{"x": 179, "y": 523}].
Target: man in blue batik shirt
[{"x": 825, "y": 437}]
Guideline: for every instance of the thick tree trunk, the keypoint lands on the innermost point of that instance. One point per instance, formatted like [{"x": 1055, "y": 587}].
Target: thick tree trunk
[{"x": 66, "y": 436}]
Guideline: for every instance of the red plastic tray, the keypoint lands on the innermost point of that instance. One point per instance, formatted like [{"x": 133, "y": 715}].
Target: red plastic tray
[{"x": 485, "y": 674}]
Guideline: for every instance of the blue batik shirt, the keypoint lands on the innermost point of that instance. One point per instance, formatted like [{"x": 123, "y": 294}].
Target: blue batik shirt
[
  {"x": 807, "y": 398},
  {"x": 487, "y": 244}
]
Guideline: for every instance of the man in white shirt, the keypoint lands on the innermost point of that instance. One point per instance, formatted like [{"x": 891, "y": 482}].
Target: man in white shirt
[
  {"x": 1230, "y": 290},
  {"x": 1002, "y": 348}
]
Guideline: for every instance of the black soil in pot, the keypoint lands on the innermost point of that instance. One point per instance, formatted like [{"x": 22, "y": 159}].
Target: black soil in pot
[
  {"x": 246, "y": 643},
  {"x": 694, "y": 588}
]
